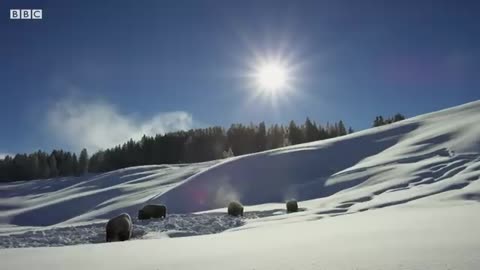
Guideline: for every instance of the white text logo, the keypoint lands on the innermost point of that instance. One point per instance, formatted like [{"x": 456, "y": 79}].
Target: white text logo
[{"x": 26, "y": 14}]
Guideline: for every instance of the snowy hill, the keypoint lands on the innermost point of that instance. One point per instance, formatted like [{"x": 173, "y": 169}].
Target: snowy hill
[{"x": 401, "y": 196}]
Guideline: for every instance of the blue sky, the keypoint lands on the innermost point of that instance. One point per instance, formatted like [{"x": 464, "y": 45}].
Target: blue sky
[{"x": 93, "y": 74}]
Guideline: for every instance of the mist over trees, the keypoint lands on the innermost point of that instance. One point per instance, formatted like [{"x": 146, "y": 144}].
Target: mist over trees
[{"x": 194, "y": 145}]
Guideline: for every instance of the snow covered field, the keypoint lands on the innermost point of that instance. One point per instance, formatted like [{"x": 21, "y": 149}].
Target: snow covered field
[{"x": 402, "y": 196}]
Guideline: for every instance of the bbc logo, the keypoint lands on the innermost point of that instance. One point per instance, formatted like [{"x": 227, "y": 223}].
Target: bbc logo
[{"x": 26, "y": 14}]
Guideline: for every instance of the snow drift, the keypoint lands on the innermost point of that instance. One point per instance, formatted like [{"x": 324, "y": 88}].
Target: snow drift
[{"x": 403, "y": 156}]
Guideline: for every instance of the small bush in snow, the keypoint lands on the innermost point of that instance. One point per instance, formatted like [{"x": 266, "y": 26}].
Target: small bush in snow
[
  {"x": 119, "y": 228},
  {"x": 292, "y": 206},
  {"x": 235, "y": 209},
  {"x": 152, "y": 211},
  {"x": 227, "y": 154}
]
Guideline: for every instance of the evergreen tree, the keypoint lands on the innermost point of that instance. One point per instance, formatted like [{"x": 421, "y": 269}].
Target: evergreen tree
[
  {"x": 311, "y": 131},
  {"x": 398, "y": 117},
  {"x": 378, "y": 121},
  {"x": 74, "y": 168},
  {"x": 261, "y": 137},
  {"x": 322, "y": 133},
  {"x": 275, "y": 137},
  {"x": 83, "y": 162},
  {"x": 44, "y": 168},
  {"x": 35, "y": 166},
  {"x": 66, "y": 165},
  {"x": 295, "y": 135},
  {"x": 52, "y": 165},
  {"x": 341, "y": 129}
]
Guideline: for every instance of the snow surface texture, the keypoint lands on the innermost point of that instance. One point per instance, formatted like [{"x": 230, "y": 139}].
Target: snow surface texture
[
  {"x": 172, "y": 226},
  {"x": 402, "y": 196}
]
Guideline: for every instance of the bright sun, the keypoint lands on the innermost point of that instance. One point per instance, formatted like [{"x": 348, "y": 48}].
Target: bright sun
[{"x": 271, "y": 77}]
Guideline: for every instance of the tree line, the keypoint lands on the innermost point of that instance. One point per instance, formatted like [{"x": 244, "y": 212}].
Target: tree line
[
  {"x": 198, "y": 145},
  {"x": 195, "y": 145},
  {"x": 43, "y": 165},
  {"x": 380, "y": 121}
]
